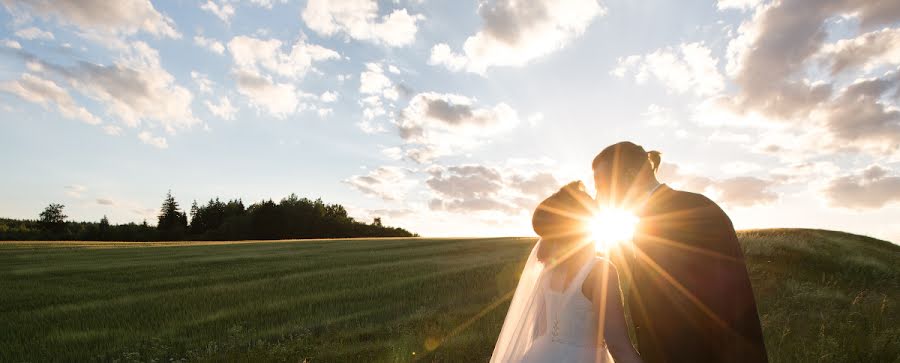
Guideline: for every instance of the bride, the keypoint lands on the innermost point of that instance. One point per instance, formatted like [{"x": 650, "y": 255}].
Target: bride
[{"x": 567, "y": 306}]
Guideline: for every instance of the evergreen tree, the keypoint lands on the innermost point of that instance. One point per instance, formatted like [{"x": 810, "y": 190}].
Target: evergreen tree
[{"x": 171, "y": 221}]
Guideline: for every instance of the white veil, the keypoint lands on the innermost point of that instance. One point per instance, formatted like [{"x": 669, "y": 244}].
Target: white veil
[{"x": 520, "y": 326}]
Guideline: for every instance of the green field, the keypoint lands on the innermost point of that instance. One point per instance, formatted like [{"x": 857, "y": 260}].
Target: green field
[{"x": 823, "y": 296}]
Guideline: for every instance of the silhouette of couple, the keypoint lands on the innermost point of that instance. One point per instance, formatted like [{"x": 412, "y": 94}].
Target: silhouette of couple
[{"x": 685, "y": 283}]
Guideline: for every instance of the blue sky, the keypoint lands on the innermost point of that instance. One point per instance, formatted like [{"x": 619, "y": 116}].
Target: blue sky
[{"x": 450, "y": 118}]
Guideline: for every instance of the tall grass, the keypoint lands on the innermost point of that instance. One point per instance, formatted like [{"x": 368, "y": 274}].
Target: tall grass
[{"x": 824, "y": 296}]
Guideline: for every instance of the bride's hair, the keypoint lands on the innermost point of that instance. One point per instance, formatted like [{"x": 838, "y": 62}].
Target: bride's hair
[{"x": 561, "y": 218}]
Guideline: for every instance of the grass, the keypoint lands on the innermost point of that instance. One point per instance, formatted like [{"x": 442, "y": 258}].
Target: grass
[{"x": 823, "y": 296}]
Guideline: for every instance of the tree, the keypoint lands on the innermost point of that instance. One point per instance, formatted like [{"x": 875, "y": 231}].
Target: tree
[
  {"x": 52, "y": 217},
  {"x": 171, "y": 220},
  {"x": 377, "y": 222}
]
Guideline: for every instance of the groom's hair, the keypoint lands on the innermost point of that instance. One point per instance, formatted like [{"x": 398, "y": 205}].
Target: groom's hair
[{"x": 627, "y": 156}]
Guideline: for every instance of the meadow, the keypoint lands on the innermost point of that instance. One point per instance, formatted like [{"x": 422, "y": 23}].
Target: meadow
[{"x": 823, "y": 296}]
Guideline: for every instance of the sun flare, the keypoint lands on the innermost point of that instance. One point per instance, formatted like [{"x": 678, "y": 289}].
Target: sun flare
[{"x": 612, "y": 226}]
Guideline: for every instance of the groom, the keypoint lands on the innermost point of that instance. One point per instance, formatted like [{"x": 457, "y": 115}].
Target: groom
[{"x": 689, "y": 291}]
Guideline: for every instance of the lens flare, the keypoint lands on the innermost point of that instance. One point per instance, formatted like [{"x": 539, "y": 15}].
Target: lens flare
[{"x": 612, "y": 226}]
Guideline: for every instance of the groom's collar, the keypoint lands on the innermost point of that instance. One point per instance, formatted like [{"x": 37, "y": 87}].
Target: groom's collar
[{"x": 653, "y": 191}]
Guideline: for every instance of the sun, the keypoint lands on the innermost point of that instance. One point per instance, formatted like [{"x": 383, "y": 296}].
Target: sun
[{"x": 612, "y": 226}]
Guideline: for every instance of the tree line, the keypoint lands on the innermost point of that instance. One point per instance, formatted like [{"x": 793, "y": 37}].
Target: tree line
[{"x": 292, "y": 217}]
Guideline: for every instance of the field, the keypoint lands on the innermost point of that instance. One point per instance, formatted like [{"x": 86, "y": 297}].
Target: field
[{"x": 823, "y": 296}]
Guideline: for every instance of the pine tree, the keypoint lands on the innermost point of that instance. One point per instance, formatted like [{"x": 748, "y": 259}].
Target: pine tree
[{"x": 171, "y": 219}]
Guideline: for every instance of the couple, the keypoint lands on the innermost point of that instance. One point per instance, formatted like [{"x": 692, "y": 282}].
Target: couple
[{"x": 683, "y": 274}]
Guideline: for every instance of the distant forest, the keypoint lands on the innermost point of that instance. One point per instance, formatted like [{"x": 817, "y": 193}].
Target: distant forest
[{"x": 292, "y": 217}]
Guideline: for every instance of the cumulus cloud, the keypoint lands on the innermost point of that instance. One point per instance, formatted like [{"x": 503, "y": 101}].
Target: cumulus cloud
[
  {"x": 75, "y": 190},
  {"x": 223, "y": 110},
  {"x": 329, "y": 96},
  {"x": 389, "y": 183},
  {"x": 204, "y": 84},
  {"x": 737, "y": 4},
  {"x": 770, "y": 62},
  {"x": 517, "y": 32},
  {"x": 258, "y": 54},
  {"x": 259, "y": 61},
  {"x": 741, "y": 191},
  {"x": 213, "y": 45},
  {"x": 279, "y": 99},
  {"x": 32, "y": 33},
  {"x": 481, "y": 188},
  {"x": 124, "y": 17},
  {"x": 156, "y": 141},
  {"x": 11, "y": 44},
  {"x": 871, "y": 188},
  {"x": 689, "y": 68},
  {"x": 869, "y": 51},
  {"x": 46, "y": 92},
  {"x": 441, "y": 123},
  {"x": 224, "y": 11},
  {"x": 358, "y": 19}
]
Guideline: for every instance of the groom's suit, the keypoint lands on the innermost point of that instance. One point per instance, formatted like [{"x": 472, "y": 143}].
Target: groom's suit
[{"x": 690, "y": 296}]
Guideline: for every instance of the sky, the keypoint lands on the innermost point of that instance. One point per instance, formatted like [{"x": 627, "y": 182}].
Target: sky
[{"x": 450, "y": 118}]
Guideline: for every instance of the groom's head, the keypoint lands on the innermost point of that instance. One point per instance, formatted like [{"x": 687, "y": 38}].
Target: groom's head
[{"x": 623, "y": 171}]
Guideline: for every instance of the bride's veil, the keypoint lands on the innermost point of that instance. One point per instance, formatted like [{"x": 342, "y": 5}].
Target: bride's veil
[{"x": 520, "y": 327}]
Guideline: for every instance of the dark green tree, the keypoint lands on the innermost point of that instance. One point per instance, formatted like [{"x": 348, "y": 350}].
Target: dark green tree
[
  {"x": 103, "y": 228},
  {"x": 52, "y": 218},
  {"x": 172, "y": 222}
]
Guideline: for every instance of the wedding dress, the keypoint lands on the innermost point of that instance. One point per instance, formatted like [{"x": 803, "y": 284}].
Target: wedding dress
[{"x": 545, "y": 324}]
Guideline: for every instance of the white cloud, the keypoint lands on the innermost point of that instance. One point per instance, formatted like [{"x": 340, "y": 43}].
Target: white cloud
[
  {"x": 32, "y": 33},
  {"x": 211, "y": 44},
  {"x": 204, "y": 84},
  {"x": 279, "y": 99},
  {"x": 147, "y": 138},
  {"x": 258, "y": 54},
  {"x": 442, "y": 123},
  {"x": 329, "y": 96},
  {"x": 871, "y": 188},
  {"x": 374, "y": 81},
  {"x": 690, "y": 68},
  {"x": 359, "y": 19},
  {"x": 267, "y": 3},
  {"x": 11, "y": 44},
  {"x": 45, "y": 92},
  {"x": 737, "y": 4},
  {"x": 223, "y": 12},
  {"x": 75, "y": 190},
  {"x": 389, "y": 183},
  {"x": 223, "y": 110},
  {"x": 117, "y": 17},
  {"x": 741, "y": 191},
  {"x": 517, "y": 32},
  {"x": 869, "y": 51}
]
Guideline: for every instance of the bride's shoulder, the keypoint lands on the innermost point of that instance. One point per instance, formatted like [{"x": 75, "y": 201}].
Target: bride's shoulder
[{"x": 603, "y": 275}]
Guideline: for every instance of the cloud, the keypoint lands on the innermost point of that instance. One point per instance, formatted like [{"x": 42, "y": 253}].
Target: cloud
[
  {"x": 252, "y": 54},
  {"x": 737, "y": 4},
  {"x": 124, "y": 17},
  {"x": 481, "y": 188},
  {"x": 871, "y": 188},
  {"x": 741, "y": 191},
  {"x": 204, "y": 84},
  {"x": 213, "y": 45},
  {"x": 105, "y": 201},
  {"x": 329, "y": 96},
  {"x": 45, "y": 92},
  {"x": 267, "y": 3},
  {"x": 690, "y": 68},
  {"x": 279, "y": 99},
  {"x": 389, "y": 183},
  {"x": 442, "y": 123},
  {"x": 148, "y": 138},
  {"x": 32, "y": 33},
  {"x": 517, "y": 32},
  {"x": 223, "y": 12},
  {"x": 75, "y": 190},
  {"x": 771, "y": 61},
  {"x": 869, "y": 51},
  {"x": 11, "y": 44},
  {"x": 223, "y": 110},
  {"x": 358, "y": 19}
]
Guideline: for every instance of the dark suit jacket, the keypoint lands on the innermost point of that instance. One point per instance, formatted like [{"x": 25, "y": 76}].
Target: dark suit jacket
[{"x": 690, "y": 296}]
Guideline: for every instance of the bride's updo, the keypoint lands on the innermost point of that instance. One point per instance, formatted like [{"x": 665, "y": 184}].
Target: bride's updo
[{"x": 561, "y": 219}]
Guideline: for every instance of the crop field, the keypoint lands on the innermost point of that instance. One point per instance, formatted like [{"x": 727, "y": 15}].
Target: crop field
[{"x": 823, "y": 296}]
